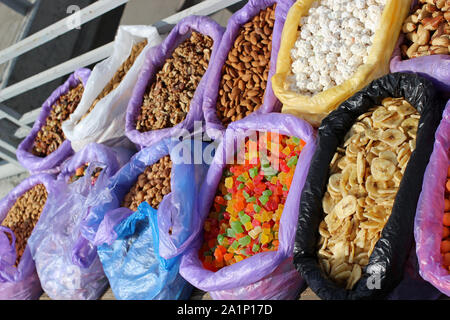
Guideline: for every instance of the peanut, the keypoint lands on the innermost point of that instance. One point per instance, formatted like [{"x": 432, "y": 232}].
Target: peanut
[{"x": 151, "y": 185}]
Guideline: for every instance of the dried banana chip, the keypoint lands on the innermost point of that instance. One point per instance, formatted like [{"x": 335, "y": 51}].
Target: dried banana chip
[
  {"x": 393, "y": 137},
  {"x": 382, "y": 169}
]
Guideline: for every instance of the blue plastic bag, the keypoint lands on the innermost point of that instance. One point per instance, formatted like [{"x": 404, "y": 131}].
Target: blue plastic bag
[
  {"x": 133, "y": 265},
  {"x": 140, "y": 262}
]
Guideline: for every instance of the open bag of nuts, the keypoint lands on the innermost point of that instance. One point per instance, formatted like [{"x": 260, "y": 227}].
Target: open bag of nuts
[
  {"x": 46, "y": 146},
  {"x": 241, "y": 72},
  {"x": 168, "y": 95},
  {"x": 424, "y": 44},
  {"x": 100, "y": 116},
  {"x": 244, "y": 234},
  {"x": 356, "y": 221},
  {"x": 429, "y": 229},
  {"x": 20, "y": 211},
  {"x": 113, "y": 158},
  {"x": 331, "y": 49},
  {"x": 167, "y": 183},
  {"x": 61, "y": 272}
]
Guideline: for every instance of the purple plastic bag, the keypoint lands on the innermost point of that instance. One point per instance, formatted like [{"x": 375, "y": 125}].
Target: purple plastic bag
[
  {"x": 430, "y": 210},
  {"x": 49, "y": 164},
  {"x": 284, "y": 283},
  {"x": 21, "y": 283},
  {"x": 435, "y": 67},
  {"x": 155, "y": 59},
  {"x": 257, "y": 267},
  {"x": 238, "y": 19},
  {"x": 112, "y": 158},
  {"x": 54, "y": 238}
]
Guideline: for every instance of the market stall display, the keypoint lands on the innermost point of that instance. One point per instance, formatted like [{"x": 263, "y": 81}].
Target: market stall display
[
  {"x": 423, "y": 46},
  {"x": 254, "y": 235},
  {"x": 431, "y": 225},
  {"x": 168, "y": 95},
  {"x": 382, "y": 272},
  {"x": 331, "y": 49},
  {"x": 241, "y": 72},
  {"x": 20, "y": 211},
  {"x": 282, "y": 206},
  {"x": 100, "y": 116},
  {"x": 46, "y": 146}
]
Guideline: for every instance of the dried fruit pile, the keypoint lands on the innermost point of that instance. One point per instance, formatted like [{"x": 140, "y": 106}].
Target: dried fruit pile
[
  {"x": 167, "y": 100},
  {"x": 119, "y": 75},
  {"x": 246, "y": 70},
  {"x": 81, "y": 171},
  {"x": 445, "y": 244},
  {"x": 51, "y": 136},
  {"x": 427, "y": 29},
  {"x": 249, "y": 201},
  {"x": 365, "y": 174},
  {"x": 151, "y": 185},
  {"x": 23, "y": 216}
]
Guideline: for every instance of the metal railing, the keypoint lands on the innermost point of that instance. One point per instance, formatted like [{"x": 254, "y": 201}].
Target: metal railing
[{"x": 9, "y": 164}]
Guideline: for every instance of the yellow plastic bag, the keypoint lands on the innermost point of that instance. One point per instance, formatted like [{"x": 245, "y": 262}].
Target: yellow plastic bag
[{"x": 313, "y": 109}]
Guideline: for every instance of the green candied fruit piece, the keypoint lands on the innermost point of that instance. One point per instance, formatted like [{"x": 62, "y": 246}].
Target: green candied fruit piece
[
  {"x": 256, "y": 247},
  {"x": 245, "y": 218},
  {"x": 253, "y": 172},
  {"x": 230, "y": 233},
  {"x": 236, "y": 226},
  {"x": 245, "y": 240}
]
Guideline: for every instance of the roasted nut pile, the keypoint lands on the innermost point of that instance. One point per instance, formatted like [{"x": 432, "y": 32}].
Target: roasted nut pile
[
  {"x": 427, "y": 29},
  {"x": 334, "y": 39},
  {"x": 81, "y": 171},
  {"x": 365, "y": 174},
  {"x": 151, "y": 186},
  {"x": 24, "y": 215},
  {"x": 119, "y": 75},
  {"x": 51, "y": 136},
  {"x": 245, "y": 72},
  {"x": 167, "y": 100}
]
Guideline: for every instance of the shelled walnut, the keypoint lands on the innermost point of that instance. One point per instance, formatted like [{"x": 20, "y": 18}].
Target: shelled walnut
[{"x": 168, "y": 97}]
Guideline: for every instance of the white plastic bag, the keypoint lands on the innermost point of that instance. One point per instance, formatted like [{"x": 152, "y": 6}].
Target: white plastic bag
[{"x": 106, "y": 122}]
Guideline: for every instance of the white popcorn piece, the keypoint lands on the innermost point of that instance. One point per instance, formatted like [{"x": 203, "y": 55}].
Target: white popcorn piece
[{"x": 335, "y": 39}]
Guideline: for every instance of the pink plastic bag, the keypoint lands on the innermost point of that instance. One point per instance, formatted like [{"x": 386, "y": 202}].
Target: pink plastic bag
[{"x": 430, "y": 210}]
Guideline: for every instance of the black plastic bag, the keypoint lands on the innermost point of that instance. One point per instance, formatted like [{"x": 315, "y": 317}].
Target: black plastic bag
[{"x": 386, "y": 264}]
